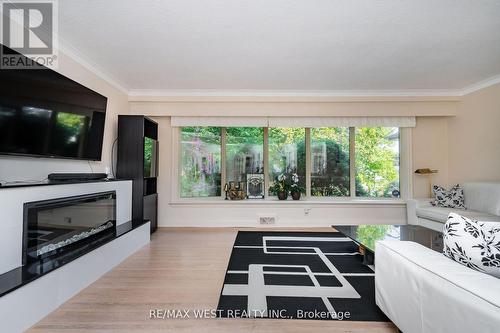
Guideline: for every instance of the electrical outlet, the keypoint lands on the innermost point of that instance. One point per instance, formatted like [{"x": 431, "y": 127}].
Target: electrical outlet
[{"x": 267, "y": 219}]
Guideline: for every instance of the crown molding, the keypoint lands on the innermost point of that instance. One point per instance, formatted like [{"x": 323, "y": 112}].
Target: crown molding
[
  {"x": 180, "y": 95},
  {"x": 76, "y": 55},
  {"x": 209, "y": 95},
  {"x": 293, "y": 93},
  {"x": 481, "y": 85}
]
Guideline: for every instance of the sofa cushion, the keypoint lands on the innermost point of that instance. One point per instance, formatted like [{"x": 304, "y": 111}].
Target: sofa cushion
[
  {"x": 483, "y": 197},
  {"x": 425, "y": 210},
  {"x": 471, "y": 244},
  {"x": 454, "y": 198}
]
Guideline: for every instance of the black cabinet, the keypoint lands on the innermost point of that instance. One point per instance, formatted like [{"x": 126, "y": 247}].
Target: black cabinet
[
  {"x": 137, "y": 159},
  {"x": 150, "y": 204}
]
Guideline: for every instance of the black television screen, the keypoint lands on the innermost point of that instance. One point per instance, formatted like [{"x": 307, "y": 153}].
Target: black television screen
[{"x": 45, "y": 114}]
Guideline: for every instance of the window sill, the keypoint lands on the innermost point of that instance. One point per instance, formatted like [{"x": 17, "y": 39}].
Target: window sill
[{"x": 303, "y": 202}]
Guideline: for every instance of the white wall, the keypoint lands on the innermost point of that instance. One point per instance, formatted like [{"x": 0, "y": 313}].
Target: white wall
[
  {"x": 24, "y": 168},
  {"x": 430, "y": 150},
  {"x": 474, "y": 138},
  {"x": 297, "y": 109},
  {"x": 464, "y": 147}
]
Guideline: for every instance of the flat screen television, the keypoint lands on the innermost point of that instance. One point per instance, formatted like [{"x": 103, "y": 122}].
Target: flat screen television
[{"x": 45, "y": 114}]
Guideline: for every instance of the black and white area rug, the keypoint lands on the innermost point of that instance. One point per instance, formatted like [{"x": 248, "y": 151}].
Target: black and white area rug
[{"x": 298, "y": 275}]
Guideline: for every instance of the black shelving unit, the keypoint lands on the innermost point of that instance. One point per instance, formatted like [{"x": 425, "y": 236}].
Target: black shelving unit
[{"x": 133, "y": 131}]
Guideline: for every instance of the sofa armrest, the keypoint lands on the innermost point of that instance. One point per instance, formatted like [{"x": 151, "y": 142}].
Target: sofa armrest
[
  {"x": 421, "y": 290},
  {"x": 411, "y": 211},
  {"x": 411, "y": 208},
  {"x": 396, "y": 290}
]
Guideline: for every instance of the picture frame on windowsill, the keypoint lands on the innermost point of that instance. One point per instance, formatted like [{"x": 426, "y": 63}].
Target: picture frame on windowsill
[{"x": 255, "y": 186}]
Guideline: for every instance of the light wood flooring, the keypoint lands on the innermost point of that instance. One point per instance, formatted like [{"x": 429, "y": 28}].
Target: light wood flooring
[{"x": 182, "y": 268}]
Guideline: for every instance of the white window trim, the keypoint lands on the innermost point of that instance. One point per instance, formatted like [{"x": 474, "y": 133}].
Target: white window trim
[{"x": 405, "y": 179}]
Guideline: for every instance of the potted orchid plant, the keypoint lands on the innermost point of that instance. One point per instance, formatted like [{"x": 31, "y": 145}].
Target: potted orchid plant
[
  {"x": 280, "y": 187},
  {"x": 295, "y": 188}
]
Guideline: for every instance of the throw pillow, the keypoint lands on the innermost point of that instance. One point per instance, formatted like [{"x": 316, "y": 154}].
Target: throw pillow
[
  {"x": 473, "y": 244},
  {"x": 454, "y": 198}
]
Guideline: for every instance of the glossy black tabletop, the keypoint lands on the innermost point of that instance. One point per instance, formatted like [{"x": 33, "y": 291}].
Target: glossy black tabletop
[{"x": 368, "y": 234}]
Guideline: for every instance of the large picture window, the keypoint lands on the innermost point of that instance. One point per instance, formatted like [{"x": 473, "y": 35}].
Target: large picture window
[
  {"x": 377, "y": 162},
  {"x": 200, "y": 174},
  {"x": 330, "y": 162},
  {"x": 361, "y": 162},
  {"x": 287, "y": 153}
]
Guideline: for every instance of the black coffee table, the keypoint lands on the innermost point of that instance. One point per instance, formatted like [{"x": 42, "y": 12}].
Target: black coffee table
[{"x": 366, "y": 236}]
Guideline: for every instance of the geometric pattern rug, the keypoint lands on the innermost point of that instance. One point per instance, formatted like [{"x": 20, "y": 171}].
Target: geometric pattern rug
[{"x": 298, "y": 275}]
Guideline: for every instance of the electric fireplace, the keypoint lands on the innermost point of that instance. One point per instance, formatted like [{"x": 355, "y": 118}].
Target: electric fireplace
[{"x": 54, "y": 226}]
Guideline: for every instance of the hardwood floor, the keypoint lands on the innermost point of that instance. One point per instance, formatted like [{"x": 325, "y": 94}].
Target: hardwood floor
[{"x": 182, "y": 268}]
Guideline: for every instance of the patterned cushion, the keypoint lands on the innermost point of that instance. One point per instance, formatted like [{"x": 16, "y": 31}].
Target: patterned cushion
[
  {"x": 473, "y": 244},
  {"x": 453, "y": 198}
]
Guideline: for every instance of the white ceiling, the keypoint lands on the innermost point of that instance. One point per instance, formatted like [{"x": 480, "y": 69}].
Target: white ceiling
[{"x": 286, "y": 45}]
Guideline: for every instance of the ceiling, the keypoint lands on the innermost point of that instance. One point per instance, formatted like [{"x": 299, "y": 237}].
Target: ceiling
[{"x": 286, "y": 45}]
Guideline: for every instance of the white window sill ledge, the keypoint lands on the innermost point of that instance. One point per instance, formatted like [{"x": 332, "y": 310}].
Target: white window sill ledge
[{"x": 290, "y": 202}]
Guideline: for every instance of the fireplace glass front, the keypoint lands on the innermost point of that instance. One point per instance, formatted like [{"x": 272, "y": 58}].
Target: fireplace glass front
[{"x": 53, "y": 226}]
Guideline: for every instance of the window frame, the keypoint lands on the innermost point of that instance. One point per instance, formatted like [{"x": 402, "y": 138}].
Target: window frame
[{"x": 405, "y": 178}]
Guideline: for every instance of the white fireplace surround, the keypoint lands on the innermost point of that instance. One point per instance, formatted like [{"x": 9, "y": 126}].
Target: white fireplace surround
[
  {"x": 28, "y": 304},
  {"x": 13, "y": 199}
]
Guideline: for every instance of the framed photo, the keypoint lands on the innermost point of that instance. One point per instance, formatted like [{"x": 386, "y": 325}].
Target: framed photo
[{"x": 255, "y": 186}]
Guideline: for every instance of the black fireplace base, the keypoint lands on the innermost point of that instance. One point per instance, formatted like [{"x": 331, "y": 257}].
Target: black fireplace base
[{"x": 23, "y": 275}]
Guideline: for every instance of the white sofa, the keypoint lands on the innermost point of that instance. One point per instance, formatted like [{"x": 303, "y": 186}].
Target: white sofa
[
  {"x": 482, "y": 200},
  {"x": 421, "y": 290}
]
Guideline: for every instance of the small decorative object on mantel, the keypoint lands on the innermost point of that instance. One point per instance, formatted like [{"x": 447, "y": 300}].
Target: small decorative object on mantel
[
  {"x": 255, "y": 186},
  {"x": 296, "y": 189},
  {"x": 226, "y": 189},
  {"x": 427, "y": 172},
  {"x": 280, "y": 187},
  {"x": 237, "y": 191}
]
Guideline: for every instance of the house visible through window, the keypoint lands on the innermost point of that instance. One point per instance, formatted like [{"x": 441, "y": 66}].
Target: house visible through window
[
  {"x": 287, "y": 153},
  {"x": 330, "y": 162},
  {"x": 244, "y": 152},
  {"x": 200, "y": 174}
]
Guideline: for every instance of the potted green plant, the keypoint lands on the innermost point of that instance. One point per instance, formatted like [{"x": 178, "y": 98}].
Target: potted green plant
[
  {"x": 280, "y": 187},
  {"x": 295, "y": 188}
]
